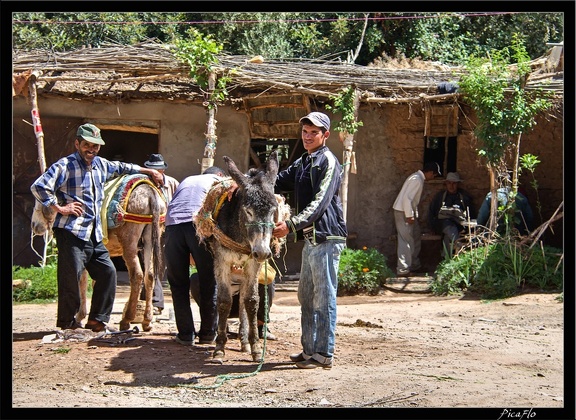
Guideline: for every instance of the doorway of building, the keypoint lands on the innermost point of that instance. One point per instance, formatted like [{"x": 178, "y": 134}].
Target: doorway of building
[
  {"x": 443, "y": 151},
  {"x": 288, "y": 151},
  {"x": 128, "y": 146}
]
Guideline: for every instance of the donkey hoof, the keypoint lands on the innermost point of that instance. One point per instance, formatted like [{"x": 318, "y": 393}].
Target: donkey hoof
[
  {"x": 245, "y": 348},
  {"x": 124, "y": 325},
  {"x": 218, "y": 354},
  {"x": 146, "y": 326},
  {"x": 257, "y": 357}
]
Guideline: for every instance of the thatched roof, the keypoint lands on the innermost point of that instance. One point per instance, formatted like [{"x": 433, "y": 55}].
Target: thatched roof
[{"x": 150, "y": 71}]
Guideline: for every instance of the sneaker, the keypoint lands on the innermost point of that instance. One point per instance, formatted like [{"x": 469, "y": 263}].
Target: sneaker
[
  {"x": 404, "y": 274},
  {"x": 313, "y": 364},
  {"x": 299, "y": 357},
  {"x": 158, "y": 311},
  {"x": 269, "y": 335},
  {"x": 184, "y": 342}
]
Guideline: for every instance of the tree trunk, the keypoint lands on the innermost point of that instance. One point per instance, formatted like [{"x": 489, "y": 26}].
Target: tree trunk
[
  {"x": 40, "y": 145},
  {"x": 211, "y": 138},
  {"x": 348, "y": 141},
  {"x": 36, "y": 121},
  {"x": 516, "y": 162},
  {"x": 493, "y": 201}
]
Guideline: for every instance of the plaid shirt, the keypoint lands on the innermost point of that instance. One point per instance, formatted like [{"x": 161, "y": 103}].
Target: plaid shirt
[{"x": 69, "y": 180}]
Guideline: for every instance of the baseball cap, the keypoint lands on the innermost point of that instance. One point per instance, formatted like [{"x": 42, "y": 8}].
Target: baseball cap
[
  {"x": 91, "y": 133},
  {"x": 319, "y": 119}
]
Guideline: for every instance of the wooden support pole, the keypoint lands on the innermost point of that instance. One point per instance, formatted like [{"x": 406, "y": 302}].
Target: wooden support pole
[
  {"x": 211, "y": 138},
  {"x": 39, "y": 133},
  {"x": 348, "y": 141},
  {"x": 36, "y": 120}
]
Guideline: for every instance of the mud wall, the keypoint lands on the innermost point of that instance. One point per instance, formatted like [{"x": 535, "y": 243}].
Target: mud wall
[{"x": 388, "y": 148}]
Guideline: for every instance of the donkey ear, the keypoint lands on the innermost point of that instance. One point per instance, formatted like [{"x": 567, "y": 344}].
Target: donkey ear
[
  {"x": 272, "y": 167},
  {"x": 234, "y": 172}
]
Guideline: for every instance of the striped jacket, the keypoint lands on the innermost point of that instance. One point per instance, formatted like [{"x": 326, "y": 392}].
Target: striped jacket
[{"x": 315, "y": 179}]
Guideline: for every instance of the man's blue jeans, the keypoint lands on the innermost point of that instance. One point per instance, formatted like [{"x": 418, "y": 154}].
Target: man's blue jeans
[{"x": 317, "y": 289}]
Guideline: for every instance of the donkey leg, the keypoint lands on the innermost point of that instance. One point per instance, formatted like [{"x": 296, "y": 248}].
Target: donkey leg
[
  {"x": 224, "y": 303},
  {"x": 243, "y": 328},
  {"x": 149, "y": 311},
  {"x": 136, "y": 277},
  {"x": 249, "y": 304},
  {"x": 148, "y": 276},
  {"x": 83, "y": 300}
]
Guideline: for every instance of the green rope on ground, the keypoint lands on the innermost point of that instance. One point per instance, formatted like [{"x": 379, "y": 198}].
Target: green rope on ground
[{"x": 221, "y": 379}]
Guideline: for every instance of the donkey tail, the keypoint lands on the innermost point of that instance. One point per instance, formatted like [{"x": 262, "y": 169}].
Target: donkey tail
[{"x": 158, "y": 210}]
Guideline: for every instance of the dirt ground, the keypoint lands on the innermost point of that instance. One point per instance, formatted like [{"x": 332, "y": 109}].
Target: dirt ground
[{"x": 397, "y": 350}]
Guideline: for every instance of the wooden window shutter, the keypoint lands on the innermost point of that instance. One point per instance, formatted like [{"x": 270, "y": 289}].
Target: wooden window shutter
[{"x": 441, "y": 120}]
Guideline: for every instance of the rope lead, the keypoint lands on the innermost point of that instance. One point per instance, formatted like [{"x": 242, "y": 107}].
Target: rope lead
[{"x": 221, "y": 379}]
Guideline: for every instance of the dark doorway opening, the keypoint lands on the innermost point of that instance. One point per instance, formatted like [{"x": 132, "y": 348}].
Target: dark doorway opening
[
  {"x": 441, "y": 150},
  {"x": 288, "y": 151},
  {"x": 128, "y": 146}
]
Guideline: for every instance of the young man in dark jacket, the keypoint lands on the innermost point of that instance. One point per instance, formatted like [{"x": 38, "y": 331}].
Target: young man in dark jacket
[{"x": 315, "y": 179}]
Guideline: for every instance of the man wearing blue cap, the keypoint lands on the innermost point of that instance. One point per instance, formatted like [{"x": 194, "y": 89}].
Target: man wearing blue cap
[
  {"x": 74, "y": 188},
  {"x": 315, "y": 179}
]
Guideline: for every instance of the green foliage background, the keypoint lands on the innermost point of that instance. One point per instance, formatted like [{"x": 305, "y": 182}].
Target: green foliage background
[
  {"x": 445, "y": 37},
  {"x": 42, "y": 287}
]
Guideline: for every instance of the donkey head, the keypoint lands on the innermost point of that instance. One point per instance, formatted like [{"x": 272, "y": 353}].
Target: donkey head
[
  {"x": 257, "y": 205},
  {"x": 42, "y": 218}
]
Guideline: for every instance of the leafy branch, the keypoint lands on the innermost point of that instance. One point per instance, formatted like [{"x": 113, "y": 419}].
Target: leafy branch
[
  {"x": 529, "y": 162},
  {"x": 344, "y": 104},
  {"x": 495, "y": 87},
  {"x": 200, "y": 53}
]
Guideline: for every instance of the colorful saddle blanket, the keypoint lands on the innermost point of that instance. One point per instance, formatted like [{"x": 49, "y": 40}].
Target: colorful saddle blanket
[{"x": 116, "y": 194}]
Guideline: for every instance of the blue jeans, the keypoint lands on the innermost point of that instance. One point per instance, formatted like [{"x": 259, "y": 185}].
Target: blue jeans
[
  {"x": 75, "y": 255},
  {"x": 317, "y": 289}
]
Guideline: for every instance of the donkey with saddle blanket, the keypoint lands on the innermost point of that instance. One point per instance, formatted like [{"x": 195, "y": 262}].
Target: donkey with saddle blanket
[{"x": 238, "y": 229}]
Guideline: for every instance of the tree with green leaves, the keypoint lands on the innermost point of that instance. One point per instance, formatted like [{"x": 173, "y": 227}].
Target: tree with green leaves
[
  {"x": 495, "y": 87},
  {"x": 448, "y": 37},
  {"x": 200, "y": 53}
]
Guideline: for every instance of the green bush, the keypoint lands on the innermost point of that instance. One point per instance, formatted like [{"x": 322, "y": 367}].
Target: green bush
[
  {"x": 455, "y": 275},
  {"x": 41, "y": 284},
  {"x": 500, "y": 270},
  {"x": 362, "y": 271},
  {"x": 492, "y": 279}
]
